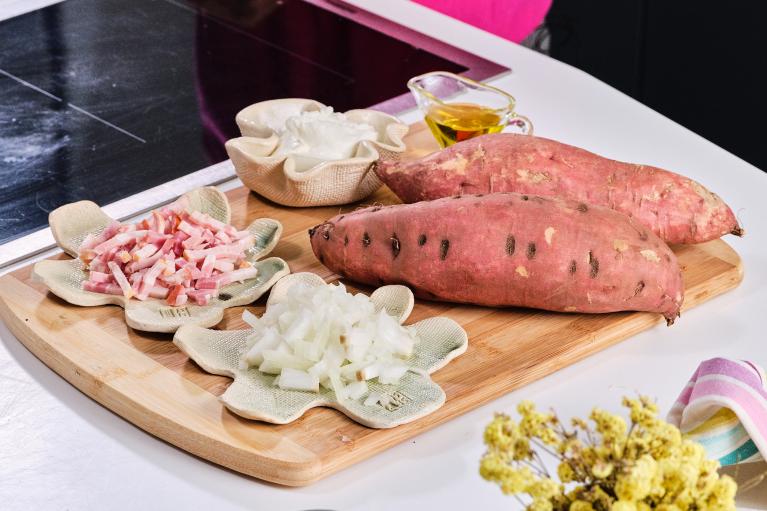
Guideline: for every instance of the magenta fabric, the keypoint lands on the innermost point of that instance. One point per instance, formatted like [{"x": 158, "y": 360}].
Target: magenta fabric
[{"x": 511, "y": 19}]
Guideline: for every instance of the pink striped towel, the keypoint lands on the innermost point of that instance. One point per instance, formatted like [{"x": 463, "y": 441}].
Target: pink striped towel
[{"x": 724, "y": 407}]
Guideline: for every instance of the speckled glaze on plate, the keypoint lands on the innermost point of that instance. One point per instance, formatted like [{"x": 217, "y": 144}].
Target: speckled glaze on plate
[
  {"x": 253, "y": 394},
  {"x": 71, "y": 223}
]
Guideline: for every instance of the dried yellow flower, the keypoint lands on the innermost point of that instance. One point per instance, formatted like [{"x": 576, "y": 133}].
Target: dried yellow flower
[
  {"x": 602, "y": 469},
  {"x": 565, "y": 472},
  {"x": 623, "y": 505},
  {"x": 581, "y": 505},
  {"x": 608, "y": 464},
  {"x": 635, "y": 484},
  {"x": 540, "y": 505}
]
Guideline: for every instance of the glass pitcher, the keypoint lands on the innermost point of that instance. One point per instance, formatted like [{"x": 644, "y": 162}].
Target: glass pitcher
[{"x": 479, "y": 109}]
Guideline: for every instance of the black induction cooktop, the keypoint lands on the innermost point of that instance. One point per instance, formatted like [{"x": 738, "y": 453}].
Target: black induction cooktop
[{"x": 101, "y": 99}]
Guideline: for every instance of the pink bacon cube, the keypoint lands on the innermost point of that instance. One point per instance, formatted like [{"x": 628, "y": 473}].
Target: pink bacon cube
[{"x": 121, "y": 279}]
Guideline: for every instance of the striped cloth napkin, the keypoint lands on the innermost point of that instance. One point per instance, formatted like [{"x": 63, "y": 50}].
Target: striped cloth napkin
[{"x": 724, "y": 407}]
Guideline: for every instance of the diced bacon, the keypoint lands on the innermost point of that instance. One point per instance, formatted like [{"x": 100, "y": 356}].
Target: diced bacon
[
  {"x": 178, "y": 239},
  {"x": 120, "y": 278},
  {"x": 191, "y": 241},
  {"x": 207, "y": 265},
  {"x": 241, "y": 234},
  {"x": 167, "y": 246},
  {"x": 158, "y": 292},
  {"x": 147, "y": 250},
  {"x": 200, "y": 296},
  {"x": 232, "y": 258},
  {"x": 156, "y": 237},
  {"x": 110, "y": 255},
  {"x": 211, "y": 223},
  {"x": 117, "y": 240},
  {"x": 159, "y": 222},
  {"x": 91, "y": 241},
  {"x": 144, "y": 263},
  {"x": 246, "y": 242},
  {"x": 111, "y": 229},
  {"x": 175, "y": 292},
  {"x": 179, "y": 206},
  {"x": 123, "y": 256},
  {"x": 87, "y": 255},
  {"x": 149, "y": 261},
  {"x": 237, "y": 276},
  {"x": 102, "y": 287},
  {"x": 136, "y": 282},
  {"x": 98, "y": 266},
  {"x": 196, "y": 255},
  {"x": 97, "y": 276},
  {"x": 223, "y": 237},
  {"x": 223, "y": 266},
  {"x": 207, "y": 283},
  {"x": 177, "y": 278},
  {"x": 192, "y": 271},
  {"x": 150, "y": 277},
  {"x": 170, "y": 267},
  {"x": 180, "y": 236},
  {"x": 174, "y": 254},
  {"x": 179, "y": 301},
  {"x": 190, "y": 229}
]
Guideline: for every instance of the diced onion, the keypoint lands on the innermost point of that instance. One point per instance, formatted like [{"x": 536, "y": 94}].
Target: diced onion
[
  {"x": 295, "y": 379},
  {"x": 325, "y": 336}
]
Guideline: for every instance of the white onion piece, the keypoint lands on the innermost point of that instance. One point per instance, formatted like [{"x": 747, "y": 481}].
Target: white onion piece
[
  {"x": 270, "y": 339},
  {"x": 325, "y": 336},
  {"x": 357, "y": 389},
  {"x": 251, "y": 319},
  {"x": 294, "y": 379},
  {"x": 392, "y": 373},
  {"x": 372, "y": 399}
]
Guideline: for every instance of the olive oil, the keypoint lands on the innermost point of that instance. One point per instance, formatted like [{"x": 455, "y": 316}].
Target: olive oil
[{"x": 454, "y": 122}]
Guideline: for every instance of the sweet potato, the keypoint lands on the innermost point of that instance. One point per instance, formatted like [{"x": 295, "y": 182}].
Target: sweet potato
[
  {"x": 677, "y": 209},
  {"x": 506, "y": 249}
]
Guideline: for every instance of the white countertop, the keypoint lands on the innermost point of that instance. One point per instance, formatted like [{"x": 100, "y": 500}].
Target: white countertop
[{"x": 61, "y": 450}]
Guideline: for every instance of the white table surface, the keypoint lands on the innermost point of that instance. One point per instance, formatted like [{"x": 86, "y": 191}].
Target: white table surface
[{"x": 61, "y": 450}]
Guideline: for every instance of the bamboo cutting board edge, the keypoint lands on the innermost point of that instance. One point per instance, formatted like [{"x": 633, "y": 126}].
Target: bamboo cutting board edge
[
  {"x": 128, "y": 382},
  {"x": 100, "y": 379},
  {"x": 143, "y": 378}
]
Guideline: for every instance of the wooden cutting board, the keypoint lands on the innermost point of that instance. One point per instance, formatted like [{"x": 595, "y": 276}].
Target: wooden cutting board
[{"x": 146, "y": 380}]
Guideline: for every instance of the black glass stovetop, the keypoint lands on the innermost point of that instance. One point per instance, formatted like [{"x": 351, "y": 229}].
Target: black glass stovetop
[{"x": 101, "y": 99}]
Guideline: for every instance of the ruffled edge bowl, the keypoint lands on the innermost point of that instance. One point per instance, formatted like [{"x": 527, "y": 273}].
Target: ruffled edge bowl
[{"x": 329, "y": 183}]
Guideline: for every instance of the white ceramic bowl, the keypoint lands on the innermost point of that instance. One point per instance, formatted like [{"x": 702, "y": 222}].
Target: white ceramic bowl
[{"x": 331, "y": 182}]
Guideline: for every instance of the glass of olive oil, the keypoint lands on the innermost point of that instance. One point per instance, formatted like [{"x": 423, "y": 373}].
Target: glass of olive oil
[{"x": 457, "y": 108}]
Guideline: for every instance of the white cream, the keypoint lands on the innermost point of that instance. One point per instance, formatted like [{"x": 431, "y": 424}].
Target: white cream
[{"x": 322, "y": 135}]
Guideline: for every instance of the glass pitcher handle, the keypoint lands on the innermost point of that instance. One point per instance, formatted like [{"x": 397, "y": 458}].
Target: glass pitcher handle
[{"x": 522, "y": 123}]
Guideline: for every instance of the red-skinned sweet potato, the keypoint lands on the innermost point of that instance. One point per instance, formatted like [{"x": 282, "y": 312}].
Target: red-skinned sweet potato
[
  {"x": 506, "y": 249},
  {"x": 677, "y": 209}
]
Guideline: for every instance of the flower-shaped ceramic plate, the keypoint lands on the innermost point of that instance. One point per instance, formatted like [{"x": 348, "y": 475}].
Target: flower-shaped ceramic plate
[
  {"x": 71, "y": 223},
  {"x": 300, "y": 180},
  {"x": 253, "y": 394}
]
